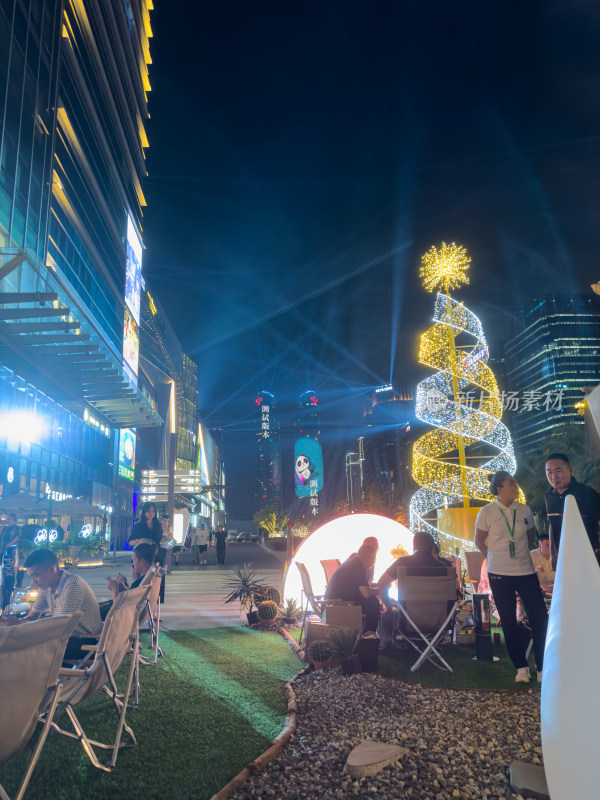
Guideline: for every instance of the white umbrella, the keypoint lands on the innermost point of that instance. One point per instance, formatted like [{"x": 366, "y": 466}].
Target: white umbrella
[
  {"x": 76, "y": 508},
  {"x": 25, "y": 504}
]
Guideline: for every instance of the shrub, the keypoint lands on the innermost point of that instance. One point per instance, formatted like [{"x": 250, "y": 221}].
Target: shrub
[{"x": 343, "y": 642}]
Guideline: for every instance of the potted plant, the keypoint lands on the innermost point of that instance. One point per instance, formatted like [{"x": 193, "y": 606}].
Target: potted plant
[
  {"x": 289, "y": 611},
  {"x": 343, "y": 643},
  {"x": 319, "y": 652},
  {"x": 75, "y": 541},
  {"x": 92, "y": 548},
  {"x": 267, "y": 612},
  {"x": 263, "y": 593},
  {"x": 243, "y": 586}
]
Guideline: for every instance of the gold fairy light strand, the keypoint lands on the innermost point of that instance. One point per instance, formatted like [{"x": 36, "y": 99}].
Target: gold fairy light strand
[{"x": 445, "y": 268}]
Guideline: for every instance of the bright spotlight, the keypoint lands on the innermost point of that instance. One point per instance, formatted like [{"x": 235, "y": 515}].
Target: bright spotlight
[
  {"x": 339, "y": 539},
  {"x": 21, "y": 426}
]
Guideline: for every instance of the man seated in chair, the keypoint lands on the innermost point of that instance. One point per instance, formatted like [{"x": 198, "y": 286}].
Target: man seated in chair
[
  {"x": 142, "y": 559},
  {"x": 61, "y": 592},
  {"x": 425, "y": 563},
  {"x": 350, "y": 583}
]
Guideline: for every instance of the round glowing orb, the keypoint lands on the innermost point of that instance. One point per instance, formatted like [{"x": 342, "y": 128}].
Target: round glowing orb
[{"x": 339, "y": 539}]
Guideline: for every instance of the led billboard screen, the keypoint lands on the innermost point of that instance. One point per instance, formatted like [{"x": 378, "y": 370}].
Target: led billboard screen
[
  {"x": 127, "y": 454},
  {"x": 308, "y": 467},
  {"x": 131, "y": 344},
  {"x": 133, "y": 271}
]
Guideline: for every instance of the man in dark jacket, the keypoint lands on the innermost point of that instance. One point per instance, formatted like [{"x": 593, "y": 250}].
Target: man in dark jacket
[
  {"x": 350, "y": 582},
  {"x": 560, "y": 477}
]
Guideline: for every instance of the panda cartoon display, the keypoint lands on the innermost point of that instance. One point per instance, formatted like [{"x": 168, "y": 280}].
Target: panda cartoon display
[{"x": 303, "y": 468}]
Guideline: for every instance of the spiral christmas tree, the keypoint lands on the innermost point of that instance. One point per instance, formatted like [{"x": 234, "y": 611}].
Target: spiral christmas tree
[{"x": 461, "y": 401}]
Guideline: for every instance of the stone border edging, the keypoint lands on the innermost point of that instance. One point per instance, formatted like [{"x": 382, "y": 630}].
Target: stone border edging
[{"x": 277, "y": 745}]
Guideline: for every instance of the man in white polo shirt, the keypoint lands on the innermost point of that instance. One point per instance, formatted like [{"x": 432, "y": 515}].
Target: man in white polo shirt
[{"x": 61, "y": 592}]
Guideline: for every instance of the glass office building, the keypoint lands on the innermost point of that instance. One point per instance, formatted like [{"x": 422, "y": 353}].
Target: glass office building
[
  {"x": 551, "y": 362},
  {"x": 73, "y": 95}
]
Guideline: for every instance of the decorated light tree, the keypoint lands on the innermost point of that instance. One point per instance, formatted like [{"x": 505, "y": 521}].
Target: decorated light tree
[{"x": 461, "y": 401}]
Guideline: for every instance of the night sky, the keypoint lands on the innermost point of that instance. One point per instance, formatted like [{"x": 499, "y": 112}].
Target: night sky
[{"x": 303, "y": 155}]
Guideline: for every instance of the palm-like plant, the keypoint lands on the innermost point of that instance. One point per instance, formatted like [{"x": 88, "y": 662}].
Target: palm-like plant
[{"x": 242, "y": 586}]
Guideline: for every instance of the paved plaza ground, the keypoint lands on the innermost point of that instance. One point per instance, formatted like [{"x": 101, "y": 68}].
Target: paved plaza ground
[{"x": 194, "y": 594}]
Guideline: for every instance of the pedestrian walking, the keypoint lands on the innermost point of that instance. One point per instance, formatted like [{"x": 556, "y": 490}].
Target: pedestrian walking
[
  {"x": 195, "y": 543},
  {"x": 202, "y": 543},
  {"x": 221, "y": 539}
]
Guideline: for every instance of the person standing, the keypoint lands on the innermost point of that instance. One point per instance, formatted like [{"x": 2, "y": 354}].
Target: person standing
[
  {"x": 504, "y": 533},
  {"x": 9, "y": 533},
  {"x": 559, "y": 473},
  {"x": 203, "y": 543},
  {"x": 149, "y": 530},
  {"x": 221, "y": 540},
  {"x": 195, "y": 545}
]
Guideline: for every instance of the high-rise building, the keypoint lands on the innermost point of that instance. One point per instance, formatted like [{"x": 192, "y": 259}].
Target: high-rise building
[
  {"x": 353, "y": 489},
  {"x": 73, "y": 94},
  {"x": 550, "y": 363},
  {"x": 268, "y": 463},
  {"x": 384, "y": 457}
]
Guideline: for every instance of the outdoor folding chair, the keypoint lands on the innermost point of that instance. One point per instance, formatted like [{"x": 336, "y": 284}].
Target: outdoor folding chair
[
  {"x": 316, "y": 601},
  {"x": 474, "y": 561},
  {"x": 329, "y": 566},
  {"x": 151, "y": 613},
  {"x": 119, "y": 637},
  {"x": 425, "y": 611},
  {"x": 31, "y": 654}
]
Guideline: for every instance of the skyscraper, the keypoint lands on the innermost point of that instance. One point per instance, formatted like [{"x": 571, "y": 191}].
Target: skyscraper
[
  {"x": 549, "y": 363},
  {"x": 268, "y": 464},
  {"x": 384, "y": 458},
  {"x": 353, "y": 489},
  {"x": 73, "y": 94}
]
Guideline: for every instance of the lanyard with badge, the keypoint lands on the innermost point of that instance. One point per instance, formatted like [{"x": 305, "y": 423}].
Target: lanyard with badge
[{"x": 511, "y": 544}]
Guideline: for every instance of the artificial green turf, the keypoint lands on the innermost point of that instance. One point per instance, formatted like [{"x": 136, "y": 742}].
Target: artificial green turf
[
  {"x": 214, "y": 702},
  {"x": 468, "y": 673}
]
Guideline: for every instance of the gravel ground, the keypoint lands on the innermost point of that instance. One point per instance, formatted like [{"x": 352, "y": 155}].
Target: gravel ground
[{"x": 461, "y": 743}]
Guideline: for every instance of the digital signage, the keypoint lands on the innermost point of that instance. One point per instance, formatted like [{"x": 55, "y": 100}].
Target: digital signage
[
  {"x": 133, "y": 271},
  {"x": 127, "y": 454},
  {"x": 131, "y": 345},
  {"x": 308, "y": 468}
]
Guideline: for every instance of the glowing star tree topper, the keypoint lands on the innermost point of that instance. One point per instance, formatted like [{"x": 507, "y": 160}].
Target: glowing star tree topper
[
  {"x": 462, "y": 403},
  {"x": 445, "y": 268}
]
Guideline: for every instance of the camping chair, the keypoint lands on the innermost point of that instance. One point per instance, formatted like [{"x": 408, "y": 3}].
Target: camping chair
[
  {"x": 329, "y": 566},
  {"x": 119, "y": 637},
  {"x": 151, "y": 613},
  {"x": 30, "y": 657},
  {"x": 316, "y": 601},
  {"x": 151, "y": 610},
  {"x": 425, "y": 611},
  {"x": 474, "y": 561}
]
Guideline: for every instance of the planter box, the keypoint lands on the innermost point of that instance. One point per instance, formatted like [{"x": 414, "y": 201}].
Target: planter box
[{"x": 87, "y": 560}]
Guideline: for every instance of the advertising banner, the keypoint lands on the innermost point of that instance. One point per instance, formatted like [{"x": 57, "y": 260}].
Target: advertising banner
[
  {"x": 127, "y": 454},
  {"x": 308, "y": 467}
]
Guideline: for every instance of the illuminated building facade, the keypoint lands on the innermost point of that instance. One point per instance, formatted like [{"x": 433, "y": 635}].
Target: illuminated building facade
[
  {"x": 384, "y": 455},
  {"x": 308, "y": 456},
  {"x": 73, "y": 91},
  {"x": 353, "y": 487},
  {"x": 549, "y": 363},
  {"x": 268, "y": 458}
]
